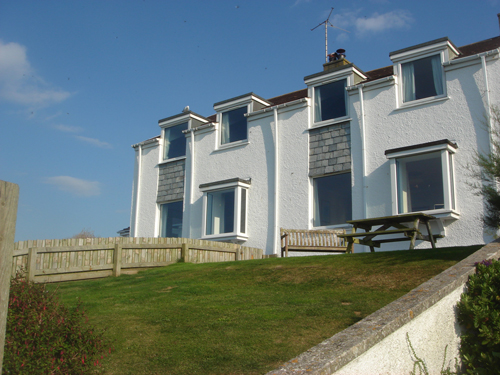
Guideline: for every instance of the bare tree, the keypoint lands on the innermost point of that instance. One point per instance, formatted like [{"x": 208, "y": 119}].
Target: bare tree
[{"x": 85, "y": 233}]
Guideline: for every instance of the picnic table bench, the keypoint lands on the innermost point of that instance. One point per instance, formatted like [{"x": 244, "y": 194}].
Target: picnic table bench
[
  {"x": 406, "y": 224},
  {"x": 322, "y": 240}
]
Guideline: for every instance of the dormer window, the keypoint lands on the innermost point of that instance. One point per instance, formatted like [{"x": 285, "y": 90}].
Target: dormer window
[
  {"x": 234, "y": 125},
  {"x": 328, "y": 91},
  {"x": 420, "y": 71},
  {"x": 330, "y": 101},
  {"x": 231, "y": 116},
  {"x": 422, "y": 78},
  {"x": 173, "y": 138},
  {"x": 174, "y": 141}
]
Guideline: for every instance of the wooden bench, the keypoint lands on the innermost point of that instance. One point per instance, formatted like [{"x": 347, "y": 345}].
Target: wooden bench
[{"x": 323, "y": 240}]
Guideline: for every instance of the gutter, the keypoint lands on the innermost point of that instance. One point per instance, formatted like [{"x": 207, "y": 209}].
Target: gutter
[
  {"x": 138, "y": 190},
  {"x": 276, "y": 245},
  {"x": 363, "y": 147}
]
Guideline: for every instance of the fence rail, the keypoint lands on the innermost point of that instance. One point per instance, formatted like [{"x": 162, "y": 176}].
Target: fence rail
[{"x": 77, "y": 259}]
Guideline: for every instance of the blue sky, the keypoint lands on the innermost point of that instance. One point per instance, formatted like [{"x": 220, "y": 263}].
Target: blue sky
[{"x": 81, "y": 81}]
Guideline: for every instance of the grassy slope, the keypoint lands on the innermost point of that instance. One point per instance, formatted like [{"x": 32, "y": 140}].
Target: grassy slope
[{"x": 245, "y": 317}]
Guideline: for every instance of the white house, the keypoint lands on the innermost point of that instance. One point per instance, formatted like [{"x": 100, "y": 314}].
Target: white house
[{"x": 351, "y": 145}]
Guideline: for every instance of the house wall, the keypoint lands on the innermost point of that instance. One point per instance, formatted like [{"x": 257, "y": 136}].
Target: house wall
[
  {"x": 460, "y": 118},
  {"x": 143, "y": 222}
]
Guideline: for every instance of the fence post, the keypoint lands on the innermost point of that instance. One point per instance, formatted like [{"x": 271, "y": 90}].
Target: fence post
[
  {"x": 31, "y": 263},
  {"x": 117, "y": 260},
  {"x": 9, "y": 196},
  {"x": 185, "y": 252},
  {"x": 237, "y": 254}
]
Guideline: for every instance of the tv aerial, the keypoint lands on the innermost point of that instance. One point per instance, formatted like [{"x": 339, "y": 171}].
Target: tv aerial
[{"x": 327, "y": 23}]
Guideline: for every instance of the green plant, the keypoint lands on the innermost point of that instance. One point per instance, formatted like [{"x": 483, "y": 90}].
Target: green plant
[
  {"x": 420, "y": 366},
  {"x": 45, "y": 337},
  {"x": 479, "y": 313}
]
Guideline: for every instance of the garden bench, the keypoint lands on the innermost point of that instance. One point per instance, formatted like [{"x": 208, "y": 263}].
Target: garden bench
[{"x": 323, "y": 240}]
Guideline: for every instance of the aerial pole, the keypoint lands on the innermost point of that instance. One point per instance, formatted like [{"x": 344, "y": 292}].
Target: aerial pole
[{"x": 327, "y": 23}]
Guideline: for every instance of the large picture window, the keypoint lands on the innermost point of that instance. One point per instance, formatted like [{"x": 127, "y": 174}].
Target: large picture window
[
  {"x": 171, "y": 219},
  {"x": 330, "y": 101},
  {"x": 174, "y": 141},
  {"x": 234, "y": 125},
  {"x": 225, "y": 209},
  {"x": 332, "y": 199},
  {"x": 422, "y": 78},
  {"x": 423, "y": 177}
]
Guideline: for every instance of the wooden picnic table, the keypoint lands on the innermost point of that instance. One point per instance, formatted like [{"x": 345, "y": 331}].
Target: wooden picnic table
[{"x": 406, "y": 224}]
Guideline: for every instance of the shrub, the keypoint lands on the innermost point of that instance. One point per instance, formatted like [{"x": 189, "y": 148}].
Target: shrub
[
  {"x": 479, "y": 313},
  {"x": 45, "y": 337}
]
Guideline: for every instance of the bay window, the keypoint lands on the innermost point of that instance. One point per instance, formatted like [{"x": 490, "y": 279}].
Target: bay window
[
  {"x": 422, "y": 177},
  {"x": 225, "y": 209}
]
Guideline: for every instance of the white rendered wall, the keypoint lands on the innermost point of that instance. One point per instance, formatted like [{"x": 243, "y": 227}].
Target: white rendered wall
[
  {"x": 460, "y": 119},
  {"x": 430, "y": 334},
  {"x": 144, "y": 207},
  {"x": 255, "y": 160}
]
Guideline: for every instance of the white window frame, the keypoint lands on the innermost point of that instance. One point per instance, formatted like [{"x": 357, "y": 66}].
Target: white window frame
[
  {"x": 160, "y": 221},
  {"x": 219, "y": 120},
  {"x": 429, "y": 99},
  {"x": 238, "y": 185},
  {"x": 447, "y": 151},
  {"x": 442, "y": 47},
  {"x": 346, "y": 98},
  {"x": 313, "y": 195},
  {"x": 164, "y": 143}
]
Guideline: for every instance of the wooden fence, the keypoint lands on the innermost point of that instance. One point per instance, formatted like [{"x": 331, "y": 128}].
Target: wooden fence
[{"x": 78, "y": 259}]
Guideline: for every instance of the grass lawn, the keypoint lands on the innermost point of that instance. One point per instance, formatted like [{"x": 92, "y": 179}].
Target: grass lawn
[{"x": 244, "y": 317}]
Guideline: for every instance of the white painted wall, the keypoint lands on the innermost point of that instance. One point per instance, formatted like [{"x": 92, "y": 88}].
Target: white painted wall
[
  {"x": 144, "y": 193},
  {"x": 430, "y": 334}
]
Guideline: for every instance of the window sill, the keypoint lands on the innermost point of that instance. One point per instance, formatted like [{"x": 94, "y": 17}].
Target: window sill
[
  {"x": 233, "y": 145},
  {"x": 442, "y": 214},
  {"x": 424, "y": 101},
  {"x": 322, "y": 124},
  {"x": 172, "y": 160},
  {"x": 226, "y": 237}
]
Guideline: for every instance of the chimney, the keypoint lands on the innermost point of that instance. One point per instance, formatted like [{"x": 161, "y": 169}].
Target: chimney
[{"x": 337, "y": 59}]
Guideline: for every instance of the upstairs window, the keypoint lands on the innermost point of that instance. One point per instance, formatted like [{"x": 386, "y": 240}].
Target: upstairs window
[
  {"x": 234, "y": 125},
  {"x": 422, "y": 78},
  {"x": 174, "y": 141},
  {"x": 330, "y": 101}
]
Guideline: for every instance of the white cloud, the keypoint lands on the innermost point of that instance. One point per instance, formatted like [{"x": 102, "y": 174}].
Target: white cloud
[
  {"x": 94, "y": 142},
  {"x": 76, "y": 186},
  {"x": 352, "y": 21},
  {"x": 67, "y": 128},
  {"x": 20, "y": 84}
]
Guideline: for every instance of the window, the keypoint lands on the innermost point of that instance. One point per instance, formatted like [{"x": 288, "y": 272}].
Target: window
[
  {"x": 174, "y": 141},
  {"x": 234, "y": 125},
  {"x": 329, "y": 101},
  {"x": 225, "y": 209},
  {"x": 332, "y": 199},
  {"x": 423, "y": 177},
  {"x": 422, "y": 78},
  {"x": 171, "y": 219}
]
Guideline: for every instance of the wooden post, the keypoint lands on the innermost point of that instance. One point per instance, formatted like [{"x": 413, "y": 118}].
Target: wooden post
[
  {"x": 237, "y": 254},
  {"x": 185, "y": 252},
  {"x": 31, "y": 264},
  {"x": 9, "y": 196},
  {"x": 117, "y": 260}
]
